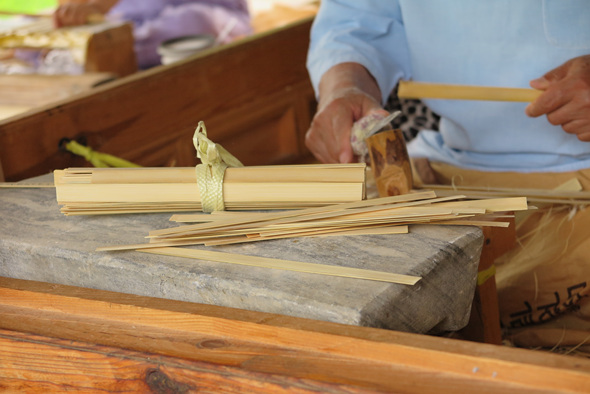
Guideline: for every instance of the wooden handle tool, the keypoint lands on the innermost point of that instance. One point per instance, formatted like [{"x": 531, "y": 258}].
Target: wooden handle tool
[
  {"x": 419, "y": 90},
  {"x": 390, "y": 163}
]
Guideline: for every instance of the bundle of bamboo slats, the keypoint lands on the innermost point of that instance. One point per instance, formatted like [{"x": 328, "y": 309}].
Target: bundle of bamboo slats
[{"x": 95, "y": 191}]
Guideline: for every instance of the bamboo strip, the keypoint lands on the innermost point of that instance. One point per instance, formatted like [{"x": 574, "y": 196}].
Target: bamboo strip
[
  {"x": 419, "y": 90},
  {"x": 248, "y": 235},
  {"x": 264, "y": 262},
  {"x": 318, "y": 232},
  {"x": 386, "y": 230},
  {"x": 523, "y": 192},
  {"x": 203, "y": 217},
  {"x": 236, "y": 193},
  {"x": 299, "y": 225},
  {"x": 238, "y": 239},
  {"x": 479, "y": 223},
  {"x": 248, "y": 228},
  {"x": 573, "y": 185},
  {"x": 265, "y": 174},
  {"x": 492, "y": 205},
  {"x": 19, "y": 185},
  {"x": 312, "y": 220},
  {"x": 533, "y": 195},
  {"x": 287, "y": 214}
]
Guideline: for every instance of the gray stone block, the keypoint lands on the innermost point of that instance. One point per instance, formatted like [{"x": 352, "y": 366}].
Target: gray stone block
[{"x": 38, "y": 243}]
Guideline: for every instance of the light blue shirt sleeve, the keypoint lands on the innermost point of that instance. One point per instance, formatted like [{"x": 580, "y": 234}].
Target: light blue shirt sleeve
[{"x": 370, "y": 33}]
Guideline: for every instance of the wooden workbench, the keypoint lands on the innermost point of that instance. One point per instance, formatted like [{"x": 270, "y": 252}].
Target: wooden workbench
[
  {"x": 58, "y": 338},
  {"x": 37, "y": 242},
  {"x": 254, "y": 96}
]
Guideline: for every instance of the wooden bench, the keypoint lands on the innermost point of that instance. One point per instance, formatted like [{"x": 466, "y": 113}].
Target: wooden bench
[
  {"x": 254, "y": 96},
  {"x": 55, "y": 337}
]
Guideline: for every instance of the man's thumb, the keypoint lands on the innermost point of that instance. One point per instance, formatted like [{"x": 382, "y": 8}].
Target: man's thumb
[{"x": 554, "y": 75}]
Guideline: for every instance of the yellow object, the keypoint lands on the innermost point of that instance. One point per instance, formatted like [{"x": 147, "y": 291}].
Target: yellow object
[
  {"x": 97, "y": 159},
  {"x": 483, "y": 276},
  {"x": 215, "y": 159},
  {"x": 419, "y": 90}
]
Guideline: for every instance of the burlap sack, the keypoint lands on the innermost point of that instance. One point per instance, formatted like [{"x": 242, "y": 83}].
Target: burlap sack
[{"x": 545, "y": 279}]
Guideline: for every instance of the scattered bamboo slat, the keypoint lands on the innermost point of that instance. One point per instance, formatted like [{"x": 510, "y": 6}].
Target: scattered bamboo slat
[
  {"x": 297, "y": 266},
  {"x": 287, "y": 214},
  {"x": 204, "y": 217},
  {"x": 419, "y": 90},
  {"x": 495, "y": 205},
  {"x": 133, "y": 190},
  {"x": 367, "y": 216},
  {"x": 469, "y": 222},
  {"x": 384, "y": 215},
  {"x": 573, "y": 185},
  {"x": 566, "y": 194},
  {"x": 19, "y": 185},
  {"x": 385, "y": 230}
]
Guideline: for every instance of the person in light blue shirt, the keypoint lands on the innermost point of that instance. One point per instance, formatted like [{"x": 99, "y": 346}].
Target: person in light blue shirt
[{"x": 360, "y": 49}]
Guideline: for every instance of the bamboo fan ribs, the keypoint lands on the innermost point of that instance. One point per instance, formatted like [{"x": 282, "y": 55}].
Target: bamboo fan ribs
[
  {"x": 386, "y": 215},
  {"x": 566, "y": 195},
  {"x": 95, "y": 191}
]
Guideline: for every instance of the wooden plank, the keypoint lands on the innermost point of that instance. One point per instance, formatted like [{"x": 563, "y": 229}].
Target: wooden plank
[
  {"x": 254, "y": 342},
  {"x": 42, "y": 364},
  {"x": 484, "y": 321},
  {"x": 112, "y": 50},
  {"x": 254, "y": 95},
  {"x": 32, "y": 90}
]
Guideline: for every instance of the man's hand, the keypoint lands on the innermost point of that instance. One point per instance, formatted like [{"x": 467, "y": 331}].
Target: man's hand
[
  {"x": 74, "y": 14},
  {"x": 80, "y": 12},
  {"x": 566, "y": 97},
  {"x": 347, "y": 93}
]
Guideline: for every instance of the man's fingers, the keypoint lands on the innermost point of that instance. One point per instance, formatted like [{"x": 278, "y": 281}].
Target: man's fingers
[
  {"x": 540, "y": 83},
  {"x": 557, "y": 73},
  {"x": 580, "y": 127},
  {"x": 341, "y": 126},
  {"x": 547, "y": 102}
]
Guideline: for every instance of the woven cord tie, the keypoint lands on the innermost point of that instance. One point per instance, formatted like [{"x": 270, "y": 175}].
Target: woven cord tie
[{"x": 214, "y": 160}]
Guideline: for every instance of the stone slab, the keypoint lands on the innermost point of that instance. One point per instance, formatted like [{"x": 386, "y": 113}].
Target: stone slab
[{"x": 38, "y": 243}]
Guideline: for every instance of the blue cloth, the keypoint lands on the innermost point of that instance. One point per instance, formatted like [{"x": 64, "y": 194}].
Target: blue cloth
[{"x": 502, "y": 43}]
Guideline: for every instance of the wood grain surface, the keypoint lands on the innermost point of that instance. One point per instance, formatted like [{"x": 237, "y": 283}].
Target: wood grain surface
[
  {"x": 256, "y": 343},
  {"x": 254, "y": 95}
]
